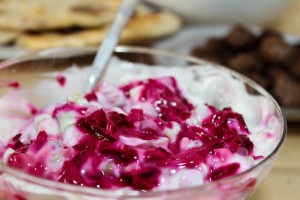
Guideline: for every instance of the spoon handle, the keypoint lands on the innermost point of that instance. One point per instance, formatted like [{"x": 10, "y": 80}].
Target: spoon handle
[{"x": 111, "y": 40}]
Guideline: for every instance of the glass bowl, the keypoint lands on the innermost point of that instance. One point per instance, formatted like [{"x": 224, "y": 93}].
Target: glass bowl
[{"x": 32, "y": 69}]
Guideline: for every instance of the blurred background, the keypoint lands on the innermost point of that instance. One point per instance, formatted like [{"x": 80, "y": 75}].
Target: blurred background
[{"x": 259, "y": 38}]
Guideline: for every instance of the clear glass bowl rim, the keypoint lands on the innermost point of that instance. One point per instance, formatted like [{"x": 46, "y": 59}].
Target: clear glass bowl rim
[{"x": 74, "y": 189}]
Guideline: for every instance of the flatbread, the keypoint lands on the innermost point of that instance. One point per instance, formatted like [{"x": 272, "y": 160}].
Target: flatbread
[
  {"x": 139, "y": 29},
  {"x": 55, "y": 14},
  {"x": 7, "y": 36}
]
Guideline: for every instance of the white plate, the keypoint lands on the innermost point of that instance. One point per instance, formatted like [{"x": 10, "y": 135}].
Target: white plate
[
  {"x": 10, "y": 52},
  {"x": 189, "y": 37}
]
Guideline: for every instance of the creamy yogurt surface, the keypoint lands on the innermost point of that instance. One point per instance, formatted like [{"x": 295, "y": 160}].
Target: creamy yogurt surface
[{"x": 144, "y": 128}]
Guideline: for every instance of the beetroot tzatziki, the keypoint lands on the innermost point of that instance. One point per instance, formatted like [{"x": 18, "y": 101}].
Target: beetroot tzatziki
[{"x": 144, "y": 128}]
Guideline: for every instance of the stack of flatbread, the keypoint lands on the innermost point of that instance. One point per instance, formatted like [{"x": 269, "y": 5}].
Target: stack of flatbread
[{"x": 41, "y": 24}]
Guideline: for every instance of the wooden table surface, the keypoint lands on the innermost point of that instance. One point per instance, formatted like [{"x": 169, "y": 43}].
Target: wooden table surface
[{"x": 283, "y": 182}]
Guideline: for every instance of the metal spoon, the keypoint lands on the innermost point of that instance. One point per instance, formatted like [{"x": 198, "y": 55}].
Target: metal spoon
[{"x": 106, "y": 49}]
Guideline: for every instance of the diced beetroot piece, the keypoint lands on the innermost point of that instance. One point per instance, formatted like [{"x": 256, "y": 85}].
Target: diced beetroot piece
[
  {"x": 70, "y": 106},
  {"x": 14, "y": 85},
  {"x": 95, "y": 125},
  {"x": 91, "y": 97},
  {"x": 143, "y": 179},
  {"x": 149, "y": 134},
  {"x": 17, "y": 145},
  {"x": 111, "y": 182},
  {"x": 121, "y": 154},
  {"x": 33, "y": 109},
  {"x": 38, "y": 169},
  {"x": 239, "y": 141},
  {"x": 71, "y": 174},
  {"x": 18, "y": 197},
  {"x": 39, "y": 142},
  {"x": 157, "y": 155},
  {"x": 223, "y": 171},
  {"x": 136, "y": 115},
  {"x": 61, "y": 80},
  {"x": 20, "y": 160},
  {"x": 119, "y": 120}
]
